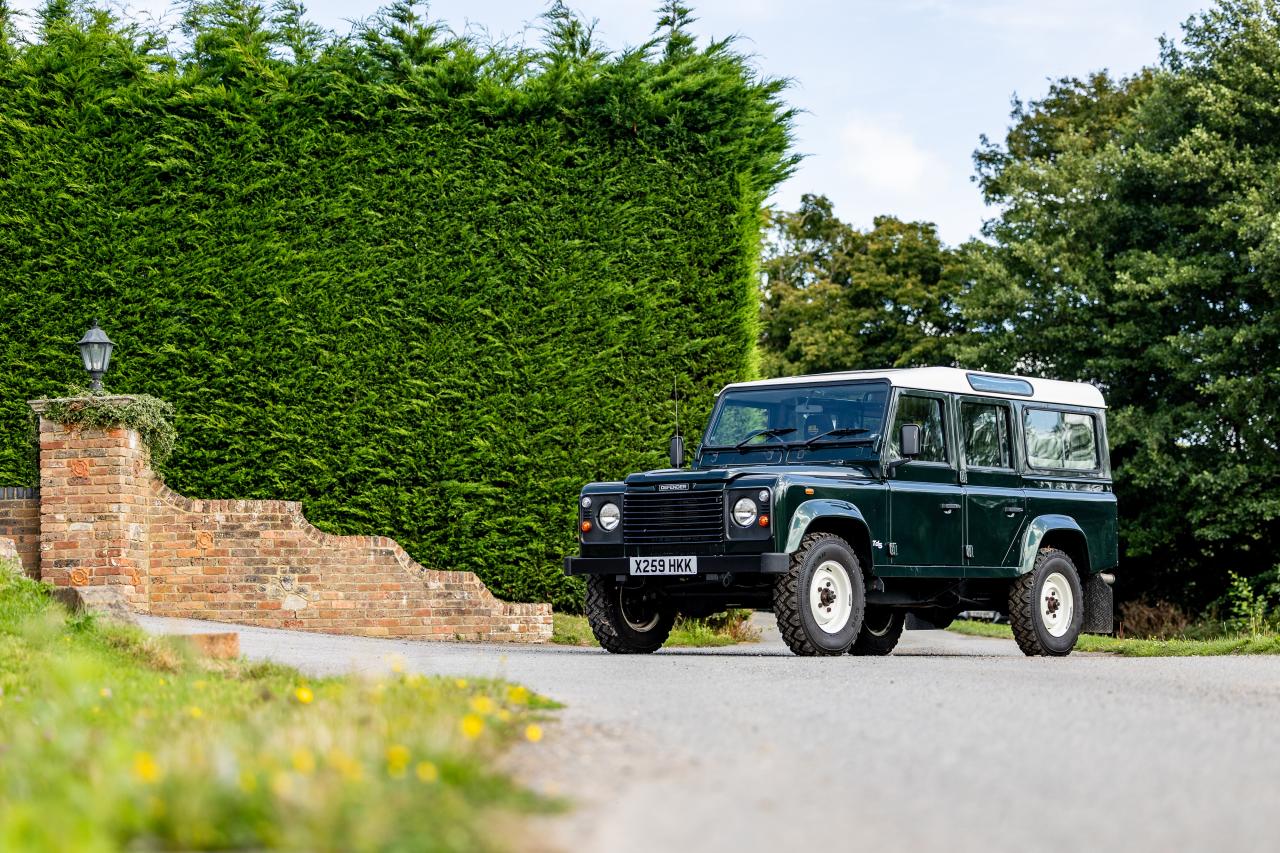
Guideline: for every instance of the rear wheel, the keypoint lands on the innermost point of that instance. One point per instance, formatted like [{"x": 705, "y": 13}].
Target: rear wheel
[
  {"x": 626, "y": 619},
  {"x": 1046, "y": 606},
  {"x": 820, "y": 600},
  {"x": 881, "y": 630}
]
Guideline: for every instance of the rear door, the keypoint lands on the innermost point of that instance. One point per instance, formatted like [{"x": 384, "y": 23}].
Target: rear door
[
  {"x": 994, "y": 501},
  {"x": 926, "y": 517}
]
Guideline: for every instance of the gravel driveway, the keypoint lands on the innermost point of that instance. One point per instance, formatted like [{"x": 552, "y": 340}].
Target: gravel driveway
[{"x": 955, "y": 743}]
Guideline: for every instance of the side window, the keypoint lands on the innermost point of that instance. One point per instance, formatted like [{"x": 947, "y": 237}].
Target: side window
[
  {"x": 986, "y": 435},
  {"x": 926, "y": 411},
  {"x": 1063, "y": 440}
]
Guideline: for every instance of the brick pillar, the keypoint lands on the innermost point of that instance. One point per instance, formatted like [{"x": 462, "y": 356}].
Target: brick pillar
[{"x": 93, "y": 506}]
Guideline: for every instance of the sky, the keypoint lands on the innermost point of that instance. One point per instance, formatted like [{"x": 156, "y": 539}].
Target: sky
[{"x": 893, "y": 94}]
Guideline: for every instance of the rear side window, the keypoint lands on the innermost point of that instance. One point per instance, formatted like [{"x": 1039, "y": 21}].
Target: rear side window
[{"x": 1064, "y": 440}]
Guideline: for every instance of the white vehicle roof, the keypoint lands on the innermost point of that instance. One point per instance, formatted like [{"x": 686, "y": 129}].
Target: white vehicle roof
[{"x": 952, "y": 380}]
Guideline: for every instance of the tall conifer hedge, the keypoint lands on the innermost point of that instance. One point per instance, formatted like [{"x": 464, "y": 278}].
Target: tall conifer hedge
[{"x": 426, "y": 286}]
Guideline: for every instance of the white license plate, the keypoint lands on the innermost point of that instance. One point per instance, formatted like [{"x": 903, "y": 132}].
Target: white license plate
[{"x": 664, "y": 565}]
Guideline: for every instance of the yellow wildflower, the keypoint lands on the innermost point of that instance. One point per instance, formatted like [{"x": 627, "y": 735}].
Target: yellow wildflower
[
  {"x": 195, "y": 712},
  {"x": 461, "y": 684},
  {"x": 533, "y": 733},
  {"x": 517, "y": 695},
  {"x": 397, "y": 759},
  {"x": 105, "y": 693},
  {"x": 472, "y": 726},
  {"x": 303, "y": 761},
  {"x": 504, "y": 715},
  {"x": 145, "y": 767},
  {"x": 304, "y": 695},
  {"x": 482, "y": 705},
  {"x": 199, "y": 685},
  {"x": 426, "y": 772}
]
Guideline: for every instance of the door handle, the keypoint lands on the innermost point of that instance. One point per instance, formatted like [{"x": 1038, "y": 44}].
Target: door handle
[
  {"x": 1014, "y": 510},
  {"x": 946, "y": 508}
]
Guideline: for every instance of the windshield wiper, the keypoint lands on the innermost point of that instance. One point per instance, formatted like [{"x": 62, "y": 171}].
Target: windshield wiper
[
  {"x": 767, "y": 433},
  {"x": 833, "y": 432}
]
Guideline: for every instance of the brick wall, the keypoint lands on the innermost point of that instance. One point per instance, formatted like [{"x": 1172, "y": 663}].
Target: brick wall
[
  {"x": 107, "y": 518},
  {"x": 93, "y": 503},
  {"x": 20, "y": 521}
]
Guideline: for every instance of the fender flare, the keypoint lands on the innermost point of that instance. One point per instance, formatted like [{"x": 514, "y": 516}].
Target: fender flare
[
  {"x": 810, "y": 511},
  {"x": 1041, "y": 526}
]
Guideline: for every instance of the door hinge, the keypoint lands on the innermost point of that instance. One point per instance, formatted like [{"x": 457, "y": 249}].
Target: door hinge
[
  {"x": 893, "y": 549},
  {"x": 968, "y": 552}
]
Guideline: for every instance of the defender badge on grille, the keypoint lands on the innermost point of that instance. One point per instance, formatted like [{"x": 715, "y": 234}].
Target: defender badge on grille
[{"x": 673, "y": 487}]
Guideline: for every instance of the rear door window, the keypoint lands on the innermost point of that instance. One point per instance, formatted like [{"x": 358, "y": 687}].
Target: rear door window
[
  {"x": 986, "y": 435},
  {"x": 1066, "y": 441}
]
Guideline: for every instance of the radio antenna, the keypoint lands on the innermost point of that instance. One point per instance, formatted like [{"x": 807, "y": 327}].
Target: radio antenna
[{"x": 675, "y": 393}]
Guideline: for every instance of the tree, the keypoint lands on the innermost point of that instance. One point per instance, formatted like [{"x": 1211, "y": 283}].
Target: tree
[
  {"x": 1137, "y": 248},
  {"x": 835, "y": 298}
]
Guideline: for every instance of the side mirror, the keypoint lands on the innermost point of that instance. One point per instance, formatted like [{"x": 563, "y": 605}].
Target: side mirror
[
  {"x": 908, "y": 446},
  {"x": 676, "y": 451},
  {"x": 909, "y": 441}
]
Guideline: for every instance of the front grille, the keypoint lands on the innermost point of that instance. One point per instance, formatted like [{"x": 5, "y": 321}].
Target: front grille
[{"x": 651, "y": 518}]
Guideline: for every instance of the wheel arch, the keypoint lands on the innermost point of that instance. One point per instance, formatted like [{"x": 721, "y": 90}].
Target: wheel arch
[
  {"x": 840, "y": 518},
  {"x": 1055, "y": 531}
]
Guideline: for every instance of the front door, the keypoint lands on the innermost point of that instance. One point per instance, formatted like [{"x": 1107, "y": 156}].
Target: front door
[
  {"x": 994, "y": 503},
  {"x": 926, "y": 516}
]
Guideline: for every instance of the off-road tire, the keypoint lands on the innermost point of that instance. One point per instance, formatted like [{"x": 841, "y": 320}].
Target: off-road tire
[
  {"x": 604, "y": 614},
  {"x": 1025, "y": 616},
  {"x": 872, "y": 642},
  {"x": 791, "y": 606}
]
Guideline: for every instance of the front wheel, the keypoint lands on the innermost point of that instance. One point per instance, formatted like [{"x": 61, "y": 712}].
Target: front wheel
[
  {"x": 1046, "y": 606},
  {"x": 820, "y": 600},
  {"x": 881, "y": 630},
  {"x": 627, "y": 620}
]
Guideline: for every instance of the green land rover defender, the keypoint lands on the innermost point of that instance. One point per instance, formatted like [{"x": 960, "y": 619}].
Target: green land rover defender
[{"x": 847, "y": 502}]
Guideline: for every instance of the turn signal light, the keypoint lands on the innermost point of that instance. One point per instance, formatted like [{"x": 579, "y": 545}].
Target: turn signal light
[
  {"x": 586, "y": 526},
  {"x": 764, "y": 521}
]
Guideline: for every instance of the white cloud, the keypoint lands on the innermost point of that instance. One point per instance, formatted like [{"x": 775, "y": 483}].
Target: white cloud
[{"x": 884, "y": 158}]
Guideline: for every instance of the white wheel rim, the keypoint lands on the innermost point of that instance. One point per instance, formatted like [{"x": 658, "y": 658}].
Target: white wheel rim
[
  {"x": 638, "y": 627},
  {"x": 871, "y": 629},
  {"x": 831, "y": 597},
  {"x": 1057, "y": 604}
]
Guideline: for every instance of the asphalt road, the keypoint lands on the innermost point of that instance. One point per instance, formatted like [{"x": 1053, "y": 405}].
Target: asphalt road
[{"x": 952, "y": 743}]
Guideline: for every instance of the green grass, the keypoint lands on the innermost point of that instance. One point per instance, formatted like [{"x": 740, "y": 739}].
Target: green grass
[
  {"x": 1267, "y": 644},
  {"x": 110, "y": 739},
  {"x": 723, "y": 630}
]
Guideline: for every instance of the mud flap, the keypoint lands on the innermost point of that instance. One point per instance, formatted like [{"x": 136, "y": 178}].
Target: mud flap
[{"x": 1099, "y": 606}]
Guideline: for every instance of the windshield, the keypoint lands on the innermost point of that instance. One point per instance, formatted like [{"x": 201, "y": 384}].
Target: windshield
[{"x": 816, "y": 423}]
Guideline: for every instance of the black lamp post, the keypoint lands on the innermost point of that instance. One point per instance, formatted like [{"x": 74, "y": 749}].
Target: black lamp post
[{"x": 95, "y": 352}]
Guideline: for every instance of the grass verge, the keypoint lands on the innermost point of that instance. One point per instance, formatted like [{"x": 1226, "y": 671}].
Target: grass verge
[
  {"x": 1129, "y": 647},
  {"x": 110, "y": 739},
  {"x": 725, "y": 629}
]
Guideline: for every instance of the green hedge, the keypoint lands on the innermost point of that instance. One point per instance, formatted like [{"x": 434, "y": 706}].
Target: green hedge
[{"x": 425, "y": 286}]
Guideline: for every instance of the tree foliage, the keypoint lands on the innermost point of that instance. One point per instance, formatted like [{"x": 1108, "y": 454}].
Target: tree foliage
[
  {"x": 424, "y": 285},
  {"x": 835, "y": 298},
  {"x": 1137, "y": 247}
]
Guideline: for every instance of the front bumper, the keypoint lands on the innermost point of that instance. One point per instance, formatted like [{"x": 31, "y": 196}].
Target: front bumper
[{"x": 765, "y": 564}]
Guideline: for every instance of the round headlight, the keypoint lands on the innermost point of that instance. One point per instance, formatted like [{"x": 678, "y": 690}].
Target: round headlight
[
  {"x": 744, "y": 512},
  {"x": 609, "y": 516},
  {"x": 763, "y": 497},
  {"x": 586, "y": 502}
]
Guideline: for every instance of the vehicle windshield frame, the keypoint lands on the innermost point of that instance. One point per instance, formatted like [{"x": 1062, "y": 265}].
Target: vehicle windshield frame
[{"x": 795, "y": 451}]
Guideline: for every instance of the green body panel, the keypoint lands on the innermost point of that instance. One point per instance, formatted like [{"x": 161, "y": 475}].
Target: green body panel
[
  {"x": 841, "y": 496},
  {"x": 926, "y": 518},
  {"x": 995, "y": 510}
]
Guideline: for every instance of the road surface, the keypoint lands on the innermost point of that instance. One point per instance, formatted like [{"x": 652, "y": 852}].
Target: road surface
[{"x": 952, "y": 743}]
